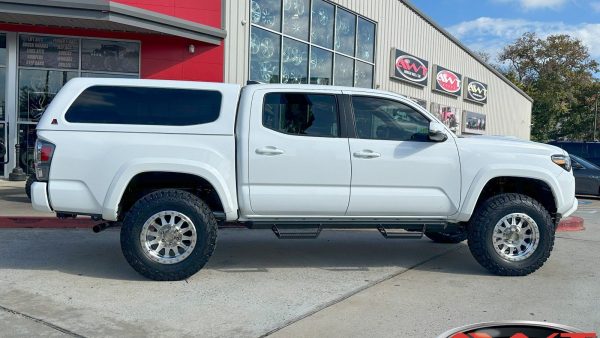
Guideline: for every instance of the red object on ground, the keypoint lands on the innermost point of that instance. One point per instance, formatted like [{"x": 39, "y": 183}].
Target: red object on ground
[
  {"x": 45, "y": 222},
  {"x": 572, "y": 223}
]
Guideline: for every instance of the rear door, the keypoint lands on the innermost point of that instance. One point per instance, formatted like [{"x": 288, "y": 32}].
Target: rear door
[
  {"x": 396, "y": 169},
  {"x": 298, "y": 156}
]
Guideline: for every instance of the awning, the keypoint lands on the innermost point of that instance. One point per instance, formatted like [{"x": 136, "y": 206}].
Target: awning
[{"x": 104, "y": 15}]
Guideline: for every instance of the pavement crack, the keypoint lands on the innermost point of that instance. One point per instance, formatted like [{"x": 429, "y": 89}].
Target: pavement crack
[
  {"x": 359, "y": 290},
  {"x": 41, "y": 321}
]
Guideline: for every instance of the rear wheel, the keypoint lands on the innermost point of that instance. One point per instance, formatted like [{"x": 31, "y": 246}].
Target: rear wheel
[
  {"x": 168, "y": 235},
  {"x": 511, "y": 235},
  {"x": 447, "y": 237}
]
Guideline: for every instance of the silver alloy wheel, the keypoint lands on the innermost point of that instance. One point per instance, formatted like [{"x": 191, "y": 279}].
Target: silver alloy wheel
[
  {"x": 168, "y": 237},
  {"x": 516, "y": 237}
]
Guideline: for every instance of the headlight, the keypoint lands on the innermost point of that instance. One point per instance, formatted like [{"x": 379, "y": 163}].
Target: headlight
[{"x": 564, "y": 161}]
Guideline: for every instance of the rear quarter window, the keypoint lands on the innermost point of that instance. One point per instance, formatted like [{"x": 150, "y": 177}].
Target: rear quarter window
[{"x": 145, "y": 106}]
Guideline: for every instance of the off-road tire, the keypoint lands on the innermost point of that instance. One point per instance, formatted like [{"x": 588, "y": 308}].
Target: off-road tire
[
  {"x": 447, "y": 237},
  {"x": 163, "y": 200},
  {"x": 28, "y": 184},
  {"x": 482, "y": 225}
]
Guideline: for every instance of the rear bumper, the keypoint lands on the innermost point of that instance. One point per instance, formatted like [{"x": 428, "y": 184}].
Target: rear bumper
[{"x": 39, "y": 197}]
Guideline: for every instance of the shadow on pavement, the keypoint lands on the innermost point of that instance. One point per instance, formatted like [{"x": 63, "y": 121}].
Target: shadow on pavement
[{"x": 82, "y": 253}]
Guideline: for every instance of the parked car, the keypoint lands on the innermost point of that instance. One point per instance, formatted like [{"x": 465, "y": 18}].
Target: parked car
[
  {"x": 587, "y": 176},
  {"x": 170, "y": 160},
  {"x": 588, "y": 150}
]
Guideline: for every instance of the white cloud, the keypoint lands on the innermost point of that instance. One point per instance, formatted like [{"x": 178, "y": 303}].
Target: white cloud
[
  {"x": 595, "y": 6},
  {"x": 492, "y": 34},
  {"x": 537, "y": 4}
]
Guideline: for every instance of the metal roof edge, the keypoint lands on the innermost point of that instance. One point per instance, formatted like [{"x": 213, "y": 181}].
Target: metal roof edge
[{"x": 463, "y": 47}]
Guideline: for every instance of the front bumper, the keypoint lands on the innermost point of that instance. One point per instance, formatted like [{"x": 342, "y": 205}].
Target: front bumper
[
  {"x": 571, "y": 210},
  {"x": 39, "y": 197}
]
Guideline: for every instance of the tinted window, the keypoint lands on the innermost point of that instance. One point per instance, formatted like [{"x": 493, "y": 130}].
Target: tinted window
[
  {"x": 301, "y": 114},
  {"x": 381, "y": 119},
  {"x": 146, "y": 106}
]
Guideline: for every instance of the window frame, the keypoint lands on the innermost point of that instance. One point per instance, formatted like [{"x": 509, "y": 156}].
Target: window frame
[
  {"x": 219, "y": 114},
  {"x": 395, "y": 100},
  {"x": 341, "y": 107},
  {"x": 355, "y": 58}
]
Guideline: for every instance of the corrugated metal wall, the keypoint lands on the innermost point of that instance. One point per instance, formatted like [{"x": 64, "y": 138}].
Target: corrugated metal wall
[{"x": 508, "y": 112}]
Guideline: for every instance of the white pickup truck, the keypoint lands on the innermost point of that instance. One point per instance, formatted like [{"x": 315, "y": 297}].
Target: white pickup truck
[{"x": 170, "y": 161}]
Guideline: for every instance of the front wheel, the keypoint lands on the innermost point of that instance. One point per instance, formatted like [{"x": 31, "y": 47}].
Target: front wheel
[
  {"x": 168, "y": 235},
  {"x": 511, "y": 235}
]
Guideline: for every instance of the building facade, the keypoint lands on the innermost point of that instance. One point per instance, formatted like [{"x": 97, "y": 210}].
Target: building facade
[{"x": 384, "y": 44}]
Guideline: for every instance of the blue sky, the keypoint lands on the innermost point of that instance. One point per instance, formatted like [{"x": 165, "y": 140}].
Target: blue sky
[{"x": 488, "y": 25}]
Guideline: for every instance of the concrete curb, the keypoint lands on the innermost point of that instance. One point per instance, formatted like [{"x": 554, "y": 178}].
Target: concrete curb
[
  {"x": 18, "y": 222},
  {"x": 569, "y": 224}
]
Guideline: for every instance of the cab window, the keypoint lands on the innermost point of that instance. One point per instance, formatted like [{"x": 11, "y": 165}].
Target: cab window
[
  {"x": 302, "y": 114},
  {"x": 384, "y": 119}
]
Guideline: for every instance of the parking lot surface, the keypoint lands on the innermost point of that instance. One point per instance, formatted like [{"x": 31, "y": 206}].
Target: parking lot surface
[{"x": 345, "y": 283}]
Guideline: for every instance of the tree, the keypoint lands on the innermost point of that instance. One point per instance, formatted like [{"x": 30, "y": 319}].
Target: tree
[{"x": 558, "y": 73}]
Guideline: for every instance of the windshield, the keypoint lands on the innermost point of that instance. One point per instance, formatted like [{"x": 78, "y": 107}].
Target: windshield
[{"x": 585, "y": 163}]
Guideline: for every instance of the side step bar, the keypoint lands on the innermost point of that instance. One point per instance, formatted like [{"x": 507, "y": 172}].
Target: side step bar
[
  {"x": 305, "y": 233},
  {"x": 401, "y": 234}
]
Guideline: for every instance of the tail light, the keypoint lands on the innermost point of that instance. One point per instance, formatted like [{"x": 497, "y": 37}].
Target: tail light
[{"x": 43, "y": 158}]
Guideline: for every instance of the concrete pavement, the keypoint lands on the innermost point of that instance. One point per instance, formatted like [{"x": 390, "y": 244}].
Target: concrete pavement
[{"x": 353, "y": 283}]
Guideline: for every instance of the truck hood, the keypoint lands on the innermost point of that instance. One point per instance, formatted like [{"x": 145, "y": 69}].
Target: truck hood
[{"x": 507, "y": 144}]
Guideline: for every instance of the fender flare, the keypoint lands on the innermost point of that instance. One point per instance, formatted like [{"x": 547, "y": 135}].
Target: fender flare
[
  {"x": 138, "y": 166},
  {"x": 486, "y": 174}
]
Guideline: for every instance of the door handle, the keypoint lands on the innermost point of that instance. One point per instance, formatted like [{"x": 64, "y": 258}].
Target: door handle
[
  {"x": 366, "y": 154},
  {"x": 269, "y": 151}
]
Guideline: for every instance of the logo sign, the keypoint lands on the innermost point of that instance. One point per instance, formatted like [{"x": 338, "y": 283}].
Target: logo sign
[
  {"x": 409, "y": 68},
  {"x": 516, "y": 329},
  {"x": 447, "y": 81},
  {"x": 476, "y": 91}
]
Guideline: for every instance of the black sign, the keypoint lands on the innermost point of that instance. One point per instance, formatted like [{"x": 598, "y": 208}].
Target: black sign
[
  {"x": 476, "y": 91},
  {"x": 409, "y": 68},
  {"x": 48, "y": 52},
  {"x": 447, "y": 81},
  {"x": 110, "y": 56}
]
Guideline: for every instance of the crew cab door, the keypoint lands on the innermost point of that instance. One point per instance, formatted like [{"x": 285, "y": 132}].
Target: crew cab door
[
  {"x": 298, "y": 154},
  {"x": 396, "y": 169}
]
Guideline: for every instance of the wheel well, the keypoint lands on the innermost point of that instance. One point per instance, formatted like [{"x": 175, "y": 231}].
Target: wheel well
[
  {"x": 536, "y": 189},
  {"x": 145, "y": 183}
]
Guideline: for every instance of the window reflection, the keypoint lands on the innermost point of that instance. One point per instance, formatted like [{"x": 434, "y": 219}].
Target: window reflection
[
  {"x": 322, "y": 23},
  {"x": 365, "y": 40},
  {"x": 363, "y": 75},
  {"x": 321, "y": 66},
  {"x": 295, "y": 18},
  {"x": 265, "y": 49},
  {"x": 295, "y": 62},
  {"x": 344, "y": 71},
  {"x": 266, "y": 13},
  {"x": 345, "y": 32}
]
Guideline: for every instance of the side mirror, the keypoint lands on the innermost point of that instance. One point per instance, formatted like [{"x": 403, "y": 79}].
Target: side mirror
[{"x": 437, "y": 132}]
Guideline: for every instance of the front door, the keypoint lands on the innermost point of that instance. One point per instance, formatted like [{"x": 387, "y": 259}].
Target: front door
[
  {"x": 396, "y": 169},
  {"x": 299, "y": 160}
]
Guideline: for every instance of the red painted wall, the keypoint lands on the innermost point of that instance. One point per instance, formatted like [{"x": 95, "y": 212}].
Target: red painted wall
[
  {"x": 207, "y": 12},
  {"x": 162, "y": 57}
]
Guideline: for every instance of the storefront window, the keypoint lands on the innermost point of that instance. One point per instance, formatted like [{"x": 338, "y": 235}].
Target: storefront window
[
  {"x": 266, "y": 13},
  {"x": 345, "y": 32},
  {"x": 295, "y": 62},
  {"x": 344, "y": 71},
  {"x": 321, "y": 66},
  {"x": 37, "y": 87},
  {"x": 323, "y": 15},
  {"x": 314, "y": 33},
  {"x": 265, "y": 49},
  {"x": 295, "y": 18}
]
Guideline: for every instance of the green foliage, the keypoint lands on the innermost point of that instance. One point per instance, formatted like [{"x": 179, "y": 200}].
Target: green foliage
[{"x": 558, "y": 73}]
